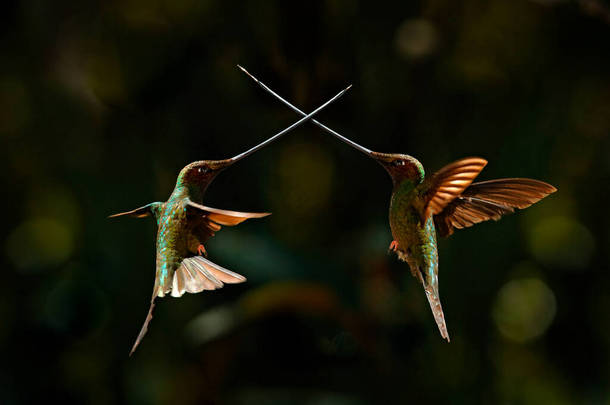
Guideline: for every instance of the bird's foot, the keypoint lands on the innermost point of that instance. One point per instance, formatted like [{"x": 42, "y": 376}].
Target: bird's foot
[
  {"x": 201, "y": 250},
  {"x": 393, "y": 246}
]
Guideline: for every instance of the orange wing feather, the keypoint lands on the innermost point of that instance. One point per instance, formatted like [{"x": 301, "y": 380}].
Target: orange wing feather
[
  {"x": 226, "y": 217},
  {"x": 449, "y": 182},
  {"x": 490, "y": 200}
]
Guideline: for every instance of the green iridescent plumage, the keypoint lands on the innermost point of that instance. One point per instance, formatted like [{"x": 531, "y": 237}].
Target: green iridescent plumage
[
  {"x": 421, "y": 207},
  {"x": 419, "y": 238},
  {"x": 184, "y": 225}
]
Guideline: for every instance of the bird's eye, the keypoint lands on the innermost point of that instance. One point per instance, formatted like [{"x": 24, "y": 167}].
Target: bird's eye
[
  {"x": 398, "y": 163},
  {"x": 202, "y": 170}
]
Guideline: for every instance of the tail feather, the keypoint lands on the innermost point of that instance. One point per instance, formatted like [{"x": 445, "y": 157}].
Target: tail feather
[
  {"x": 144, "y": 327},
  {"x": 430, "y": 285},
  {"x": 194, "y": 275},
  {"x": 197, "y": 273},
  {"x": 437, "y": 310}
]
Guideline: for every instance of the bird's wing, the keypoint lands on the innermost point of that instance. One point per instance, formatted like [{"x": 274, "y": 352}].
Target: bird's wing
[
  {"x": 207, "y": 220},
  {"x": 489, "y": 200},
  {"x": 197, "y": 273},
  {"x": 224, "y": 217},
  {"x": 152, "y": 208},
  {"x": 204, "y": 230},
  {"x": 448, "y": 183}
]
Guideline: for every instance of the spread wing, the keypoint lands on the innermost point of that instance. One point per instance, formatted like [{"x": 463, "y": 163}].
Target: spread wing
[
  {"x": 142, "y": 212},
  {"x": 196, "y": 273},
  {"x": 489, "y": 200},
  {"x": 208, "y": 220},
  {"x": 224, "y": 217},
  {"x": 449, "y": 182}
]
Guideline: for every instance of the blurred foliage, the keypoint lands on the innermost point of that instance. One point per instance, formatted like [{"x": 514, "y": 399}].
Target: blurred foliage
[{"x": 102, "y": 103}]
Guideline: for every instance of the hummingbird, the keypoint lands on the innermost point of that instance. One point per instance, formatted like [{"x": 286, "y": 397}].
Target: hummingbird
[
  {"x": 422, "y": 207},
  {"x": 185, "y": 225}
]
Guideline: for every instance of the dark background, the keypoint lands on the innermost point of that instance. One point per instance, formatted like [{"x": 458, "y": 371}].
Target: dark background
[{"x": 102, "y": 103}]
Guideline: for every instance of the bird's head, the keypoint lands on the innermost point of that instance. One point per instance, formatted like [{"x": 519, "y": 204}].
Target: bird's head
[
  {"x": 202, "y": 172},
  {"x": 400, "y": 167}
]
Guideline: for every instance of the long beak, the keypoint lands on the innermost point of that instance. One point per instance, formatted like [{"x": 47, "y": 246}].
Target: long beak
[
  {"x": 318, "y": 123},
  {"x": 306, "y": 117}
]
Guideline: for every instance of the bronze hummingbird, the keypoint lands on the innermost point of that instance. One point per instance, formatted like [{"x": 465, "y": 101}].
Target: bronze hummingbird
[
  {"x": 185, "y": 224},
  {"x": 421, "y": 207}
]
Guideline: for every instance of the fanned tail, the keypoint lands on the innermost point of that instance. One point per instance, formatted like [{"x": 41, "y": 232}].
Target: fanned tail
[
  {"x": 197, "y": 273},
  {"x": 437, "y": 310},
  {"x": 144, "y": 327},
  {"x": 194, "y": 275}
]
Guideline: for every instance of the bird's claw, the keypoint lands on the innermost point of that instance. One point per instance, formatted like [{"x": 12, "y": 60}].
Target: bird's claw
[
  {"x": 201, "y": 250},
  {"x": 393, "y": 246}
]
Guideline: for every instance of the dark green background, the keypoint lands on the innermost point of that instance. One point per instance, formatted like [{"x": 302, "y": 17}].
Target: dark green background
[{"x": 102, "y": 103}]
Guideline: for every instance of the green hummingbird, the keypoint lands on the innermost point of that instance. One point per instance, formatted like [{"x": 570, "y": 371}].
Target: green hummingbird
[
  {"x": 422, "y": 207},
  {"x": 185, "y": 224}
]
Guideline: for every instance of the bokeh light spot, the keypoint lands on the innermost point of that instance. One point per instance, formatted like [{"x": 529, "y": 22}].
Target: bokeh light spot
[
  {"x": 90, "y": 70},
  {"x": 562, "y": 242},
  {"x": 416, "y": 38},
  {"x": 55, "y": 201},
  {"x": 211, "y": 324},
  {"x": 524, "y": 309},
  {"x": 39, "y": 242}
]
